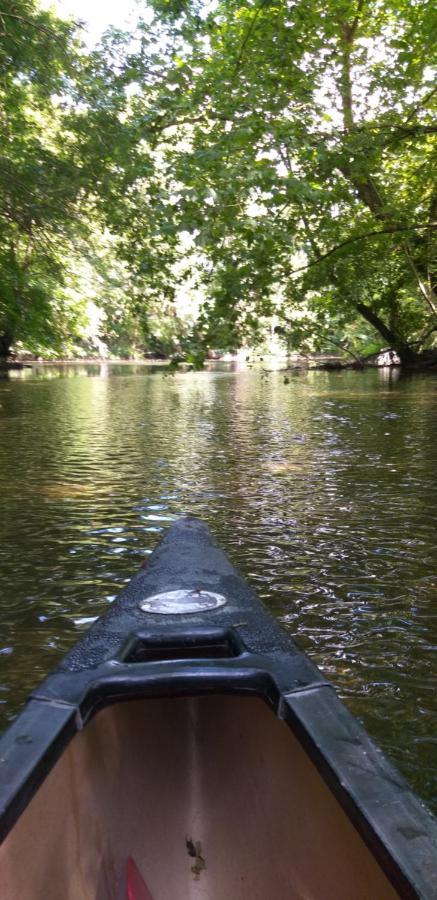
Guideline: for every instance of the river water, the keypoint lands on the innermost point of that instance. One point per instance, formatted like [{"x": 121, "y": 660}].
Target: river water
[{"x": 321, "y": 487}]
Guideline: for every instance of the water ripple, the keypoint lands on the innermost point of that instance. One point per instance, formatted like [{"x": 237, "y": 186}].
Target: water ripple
[{"x": 323, "y": 492}]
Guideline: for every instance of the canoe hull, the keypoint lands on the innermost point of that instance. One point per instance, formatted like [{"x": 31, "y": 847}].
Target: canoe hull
[
  {"x": 209, "y": 751},
  {"x": 153, "y": 779}
]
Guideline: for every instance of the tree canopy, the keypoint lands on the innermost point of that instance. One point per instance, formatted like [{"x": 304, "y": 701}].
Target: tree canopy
[{"x": 270, "y": 163}]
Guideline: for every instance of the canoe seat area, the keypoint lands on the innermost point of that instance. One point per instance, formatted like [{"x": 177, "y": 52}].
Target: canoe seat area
[{"x": 210, "y": 798}]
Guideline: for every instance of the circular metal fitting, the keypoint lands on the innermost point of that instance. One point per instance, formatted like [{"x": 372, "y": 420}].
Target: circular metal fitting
[{"x": 172, "y": 603}]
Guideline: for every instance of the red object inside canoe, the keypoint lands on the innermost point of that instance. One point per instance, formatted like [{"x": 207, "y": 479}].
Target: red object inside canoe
[{"x": 136, "y": 887}]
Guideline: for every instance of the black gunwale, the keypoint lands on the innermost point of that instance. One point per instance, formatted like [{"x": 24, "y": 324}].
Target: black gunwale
[{"x": 246, "y": 651}]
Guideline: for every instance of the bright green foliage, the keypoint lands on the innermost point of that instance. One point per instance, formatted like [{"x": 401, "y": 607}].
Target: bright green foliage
[
  {"x": 297, "y": 149},
  {"x": 39, "y": 181},
  {"x": 274, "y": 161}
]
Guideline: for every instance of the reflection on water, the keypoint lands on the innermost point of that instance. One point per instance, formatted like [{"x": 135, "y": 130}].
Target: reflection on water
[{"x": 321, "y": 489}]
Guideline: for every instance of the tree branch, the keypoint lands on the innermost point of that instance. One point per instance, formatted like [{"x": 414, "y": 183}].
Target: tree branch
[
  {"x": 422, "y": 101},
  {"x": 50, "y": 32},
  {"x": 424, "y": 337},
  {"x": 248, "y": 35},
  {"x": 310, "y": 331},
  {"x": 361, "y": 237},
  {"x": 357, "y": 18}
]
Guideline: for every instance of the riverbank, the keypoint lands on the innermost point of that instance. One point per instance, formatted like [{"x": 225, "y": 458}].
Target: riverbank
[
  {"x": 293, "y": 363},
  {"x": 27, "y": 362}
]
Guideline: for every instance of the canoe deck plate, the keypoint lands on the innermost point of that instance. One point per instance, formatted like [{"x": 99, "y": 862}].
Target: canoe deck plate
[{"x": 181, "y": 602}]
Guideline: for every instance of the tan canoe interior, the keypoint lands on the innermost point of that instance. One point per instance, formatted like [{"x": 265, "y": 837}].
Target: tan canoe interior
[{"x": 222, "y": 772}]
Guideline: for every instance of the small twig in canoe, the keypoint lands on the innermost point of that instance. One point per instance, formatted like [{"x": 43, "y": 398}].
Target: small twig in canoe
[{"x": 195, "y": 851}]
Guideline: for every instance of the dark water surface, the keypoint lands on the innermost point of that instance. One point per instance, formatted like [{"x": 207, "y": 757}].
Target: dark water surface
[{"x": 323, "y": 491}]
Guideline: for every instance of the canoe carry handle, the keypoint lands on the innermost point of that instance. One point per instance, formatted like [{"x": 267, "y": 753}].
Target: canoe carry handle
[{"x": 181, "y": 644}]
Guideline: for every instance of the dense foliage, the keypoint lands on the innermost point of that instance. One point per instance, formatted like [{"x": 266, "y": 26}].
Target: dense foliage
[
  {"x": 266, "y": 165},
  {"x": 39, "y": 180}
]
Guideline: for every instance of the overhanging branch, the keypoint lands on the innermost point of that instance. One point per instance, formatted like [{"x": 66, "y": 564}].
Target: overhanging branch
[
  {"x": 37, "y": 25},
  {"x": 361, "y": 237}
]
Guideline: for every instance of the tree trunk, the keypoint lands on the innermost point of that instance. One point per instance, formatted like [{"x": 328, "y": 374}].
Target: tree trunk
[
  {"x": 407, "y": 355},
  {"x": 409, "y": 358},
  {"x": 6, "y": 341}
]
